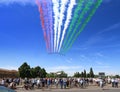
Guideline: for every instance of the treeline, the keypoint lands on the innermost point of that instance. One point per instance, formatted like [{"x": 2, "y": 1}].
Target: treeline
[
  {"x": 26, "y": 71},
  {"x": 33, "y": 72},
  {"x": 84, "y": 74}
]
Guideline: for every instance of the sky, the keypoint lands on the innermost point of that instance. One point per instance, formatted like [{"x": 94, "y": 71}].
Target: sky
[{"x": 22, "y": 40}]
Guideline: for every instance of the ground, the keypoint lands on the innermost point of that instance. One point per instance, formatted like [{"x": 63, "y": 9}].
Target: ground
[{"x": 88, "y": 89}]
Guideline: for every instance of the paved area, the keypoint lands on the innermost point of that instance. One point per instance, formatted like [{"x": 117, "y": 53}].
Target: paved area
[
  {"x": 88, "y": 89},
  {"x": 72, "y": 90}
]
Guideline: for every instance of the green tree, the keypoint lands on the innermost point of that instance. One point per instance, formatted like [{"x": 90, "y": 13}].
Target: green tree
[
  {"x": 84, "y": 74},
  {"x": 62, "y": 74},
  {"x": 24, "y": 70},
  {"x": 88, "y": 75},
  {"x": 91, "y": 73},
  {"x": 77, "y": 74},
  {"x": 117, "y": 76},
  {"x": 37, "y": 71},
  {"x": 32, "y": 73},
  {"x": 43, "y": 73},
  {"x": 51, "y": 75}
]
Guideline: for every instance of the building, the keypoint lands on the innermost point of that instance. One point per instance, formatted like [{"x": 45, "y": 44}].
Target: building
[
  {"x": 101, "y": 74},
  {"x": 4, "y": 73}
]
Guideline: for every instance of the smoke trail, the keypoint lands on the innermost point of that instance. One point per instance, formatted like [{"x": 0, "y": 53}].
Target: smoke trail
[
  {"x": 61, "y": 17},
  {"x": 75, "y": 17},
  {"x": 69, "y": 16},
  {"x": 42, "y": 22},
  {"x": 47, "y": 6},
  {"x": 50, "y": 24},
  {"x": 79, "y": 21},
  {"x": 56, "y": 15},
  {"x": 46, "y": 17},
  {"x": 85, "y": 22}
]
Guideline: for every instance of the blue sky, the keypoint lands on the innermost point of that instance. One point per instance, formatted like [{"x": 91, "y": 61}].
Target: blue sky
[{"x": 21, "y": 40}]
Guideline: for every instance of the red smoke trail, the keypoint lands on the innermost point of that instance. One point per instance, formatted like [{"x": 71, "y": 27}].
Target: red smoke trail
[
  {"x": 43, "y": 22},
  {"x": 47, "y": 23}
]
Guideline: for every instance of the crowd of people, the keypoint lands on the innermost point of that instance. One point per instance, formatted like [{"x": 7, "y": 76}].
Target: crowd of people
[
  {"x": 55, "y": 82},
  {"x": 62, "y": 83},
  {"x": 10, "y": 82},
  {"x": 114, "y": 82}
]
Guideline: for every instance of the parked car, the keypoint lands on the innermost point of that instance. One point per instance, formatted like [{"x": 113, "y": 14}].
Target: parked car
[{"x": 5, "y": 89}]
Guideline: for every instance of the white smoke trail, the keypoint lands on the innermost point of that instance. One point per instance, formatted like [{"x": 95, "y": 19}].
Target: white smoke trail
[
  {"x": 69, "y": 16},
  {"x": 56, "y": 15},
  {"x": 61, "y": 18}
]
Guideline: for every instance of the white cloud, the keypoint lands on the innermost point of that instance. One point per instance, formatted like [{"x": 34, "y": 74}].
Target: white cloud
[
  {"x": 98, "y": 62},
  {"x": 65, "y": 67},
  {"x": 100, "y": 37},
  {"x": 79, "y": 48},
  {"x": 23, "y": 2},
  {"x": 99, "y": 54},
  {"x": 83, "y": 58},
  {"x": 93, "y": 40},
  {"x": 69, "y": 60},
  {"x": 110, "y": 28}
]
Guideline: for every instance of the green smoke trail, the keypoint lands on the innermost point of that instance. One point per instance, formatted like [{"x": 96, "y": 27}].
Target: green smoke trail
[
  {"x": 79, "y": 21},
  {"x": 85, "y": 22},
  {"x": 79, "y": 7}
]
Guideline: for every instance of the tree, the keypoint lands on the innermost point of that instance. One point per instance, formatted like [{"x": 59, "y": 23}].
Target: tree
[
  {"x": 37, "y": 70},
  {"x": 32, "y": 73},
  {"x": 51, "y": 75},
  {"x": 77, "y": 74},
  {"x": 84, "y": 74},
  {"x": 61, "y": 74},
  {"x": 43, "y": 73},
  {"x": 24, "y": 70},
  {"x": 91, "y": 73},
  {"x": 88, "y": 75},
  {"x": 117, "y": 76}
]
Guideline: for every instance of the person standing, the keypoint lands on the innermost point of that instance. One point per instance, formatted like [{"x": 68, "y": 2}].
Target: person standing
[
  {"x": 48, "y": 83},
  {"x": 56, "y": 83},
  {"x": 61, "y": 83},
  {"x": 113, "y": 82},
  {"x": 101, "y": 83},
  {"x": 64, "y": 82},
  {"x": 3, "y": 82},
  {"x": 116, "y": 83}
]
